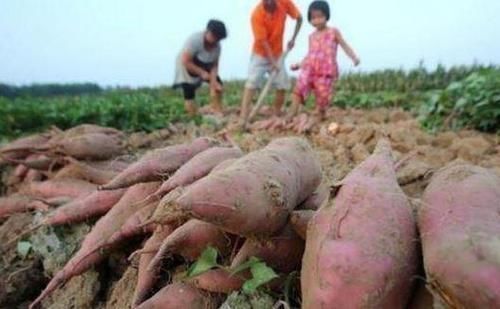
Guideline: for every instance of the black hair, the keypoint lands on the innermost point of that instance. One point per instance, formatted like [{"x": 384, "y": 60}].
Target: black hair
[
  {"x": 218, "y": 28},
  {"x": 319, "y": 5}
]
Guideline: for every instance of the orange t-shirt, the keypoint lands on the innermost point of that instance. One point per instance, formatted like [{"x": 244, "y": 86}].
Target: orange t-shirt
[{"x": 271, "y": 27}]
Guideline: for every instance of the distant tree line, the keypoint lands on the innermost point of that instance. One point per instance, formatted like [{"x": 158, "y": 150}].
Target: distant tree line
[{"x": 48, "y": 90}]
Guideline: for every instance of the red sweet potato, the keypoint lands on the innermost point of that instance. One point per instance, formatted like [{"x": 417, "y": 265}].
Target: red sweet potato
[
  {"x": 189, "y": 241},
  {"x": 299, "y": 221},
  {"x": 84, "y": 171},
  {"x": 282, "y": 252},
  {"x": 134, "y": 225},
  {"x": 33, "y": 176},
  {"x": 317, "y": 198},
  {"x": 255, "y": 194},
  {"x": 96, "y": 146},
  {"x": 84, "y": 129},
  {"x": 218, "y": 281},
  {"x": 61, "y": 187},
  {"x": 18, "y": 203},
  {"x": 88, "y": 255},
  {"x": 361, "y": 246},
  {"x": 166, "y": 213},
  {"x": 93, "y": 205},
  {"x": 460, "y": 227},
  {"x": 35, "y": 161},
  {"x": 198, "y": 167},
  {"x": 154, "y": 165},
  {"x": 177, "y": 296},
  {"x": 21, "y": 148},
  {"x": 146, "y": 279}
]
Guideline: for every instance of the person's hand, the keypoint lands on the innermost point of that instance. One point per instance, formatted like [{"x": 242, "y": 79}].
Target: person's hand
[
  {"x": 295, "y": 67},
  {"x": 291, "y": 44},
  {"x": 356, "y": 61},
  {"x": 205, "y": 76},
  {"x": 216, "y": 86}
]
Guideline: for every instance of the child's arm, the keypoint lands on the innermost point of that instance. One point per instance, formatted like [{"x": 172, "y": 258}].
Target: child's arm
[{"x": 347, "y": 49}]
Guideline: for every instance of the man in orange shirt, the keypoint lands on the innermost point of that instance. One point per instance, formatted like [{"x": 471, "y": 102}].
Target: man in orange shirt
[{"x": 268, "y": 26}]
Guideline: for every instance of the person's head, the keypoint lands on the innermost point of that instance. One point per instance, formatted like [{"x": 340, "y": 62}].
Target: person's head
[
  {"x": 269, "y": 5},
  {"x": 215, "y": 32},
  {"x": 318, "y": 13}
]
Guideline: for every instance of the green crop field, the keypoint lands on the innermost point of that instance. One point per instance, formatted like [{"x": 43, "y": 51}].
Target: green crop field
[{"x": 465, "y": 96}]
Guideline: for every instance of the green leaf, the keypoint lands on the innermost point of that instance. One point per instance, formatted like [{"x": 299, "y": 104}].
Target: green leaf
[
  {"x": 248, "y": 264},
  {"x": 261, "y": 274},
  {"x": 205, "y": 262},
  {"x": 23, "y": 248}
]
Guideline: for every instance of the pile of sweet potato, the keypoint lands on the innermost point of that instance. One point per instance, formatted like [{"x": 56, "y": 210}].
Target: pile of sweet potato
[{"x": 356, "y": 242}]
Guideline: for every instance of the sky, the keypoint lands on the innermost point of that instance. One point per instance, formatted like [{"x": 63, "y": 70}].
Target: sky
[{"x": 135, "y": 42}]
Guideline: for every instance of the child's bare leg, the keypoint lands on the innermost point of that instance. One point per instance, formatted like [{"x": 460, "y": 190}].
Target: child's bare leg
[
  {"x": 279, "y": 101},
  {"x": 320, "y": 113},
  {"x": 296, "y": 105}
]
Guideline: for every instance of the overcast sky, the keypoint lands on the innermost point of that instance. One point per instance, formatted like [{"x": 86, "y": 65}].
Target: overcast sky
[{"x": 135, "y": 42}]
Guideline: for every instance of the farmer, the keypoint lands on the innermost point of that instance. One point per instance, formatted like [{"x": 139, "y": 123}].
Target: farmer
[
  {"x": 268, "y": 26},
  {"x": 198, "y": 62}
]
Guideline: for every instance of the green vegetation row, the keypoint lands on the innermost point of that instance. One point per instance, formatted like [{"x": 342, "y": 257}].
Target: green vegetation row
[
  {"x": 472, "y": 102},
  {"x": 48, "y": 90}
]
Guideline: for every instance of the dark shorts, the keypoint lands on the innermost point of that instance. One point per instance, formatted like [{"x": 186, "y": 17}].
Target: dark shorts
[{"x": 189, "y": 90}]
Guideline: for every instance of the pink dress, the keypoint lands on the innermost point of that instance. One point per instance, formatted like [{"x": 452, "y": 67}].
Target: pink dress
[{"x": 319, "y": 68}]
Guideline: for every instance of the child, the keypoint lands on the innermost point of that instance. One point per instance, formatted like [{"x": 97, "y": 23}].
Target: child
[{"x": 319, "y": 69}]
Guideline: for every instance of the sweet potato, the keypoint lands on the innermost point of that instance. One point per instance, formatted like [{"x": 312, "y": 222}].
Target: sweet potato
[
  {"x": 94, "y": 146},
  {"x": 254, "y": 195},
  {"x": 134, "y": 225},
  {"x": 189, "y": 241},
  {"x": 218, "y": 281},
  {"x": 93, "y": 205},
  {"x": 146, "y": 279},
  {"x": 33, "y": 176},
  {"x": 22, "y": 147},
  {"x": 166, "y": 213},
  {"x": 35, "y": 161},
  {"x": 317, "y": 198},
  {"x": 179, "y": 295},
  {"x": 198, "y": 167},
  {"x": 18, "y": 203},
  {"x": 282, "y": 252},
  {"x": 361, "y": 246},
  {"x": 88, "y": 255},
  {"x": 84, "y": 129},
  {"x": 154, "y": 165},
  {"x": 299, "y": 221},
  {"x": 62, "y": 187},
  {"x": 460, "y": 228},
  {"x": 80, "y": 170}
]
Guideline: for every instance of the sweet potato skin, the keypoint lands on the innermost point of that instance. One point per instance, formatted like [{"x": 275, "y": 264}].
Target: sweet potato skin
[
  {"x": 460, "y": 229},
  {"x": 176, "y": 296},
  {"x": 282, "y": 252},
  {"x": 299, "y": 221},
  {"x": 146, "y": 279},
  {"x": 255, "y": 194},
  {"x": 199, "y": 166},
  {"x": 360, "y": 248},
  {"x": 157, "y": 163}
]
